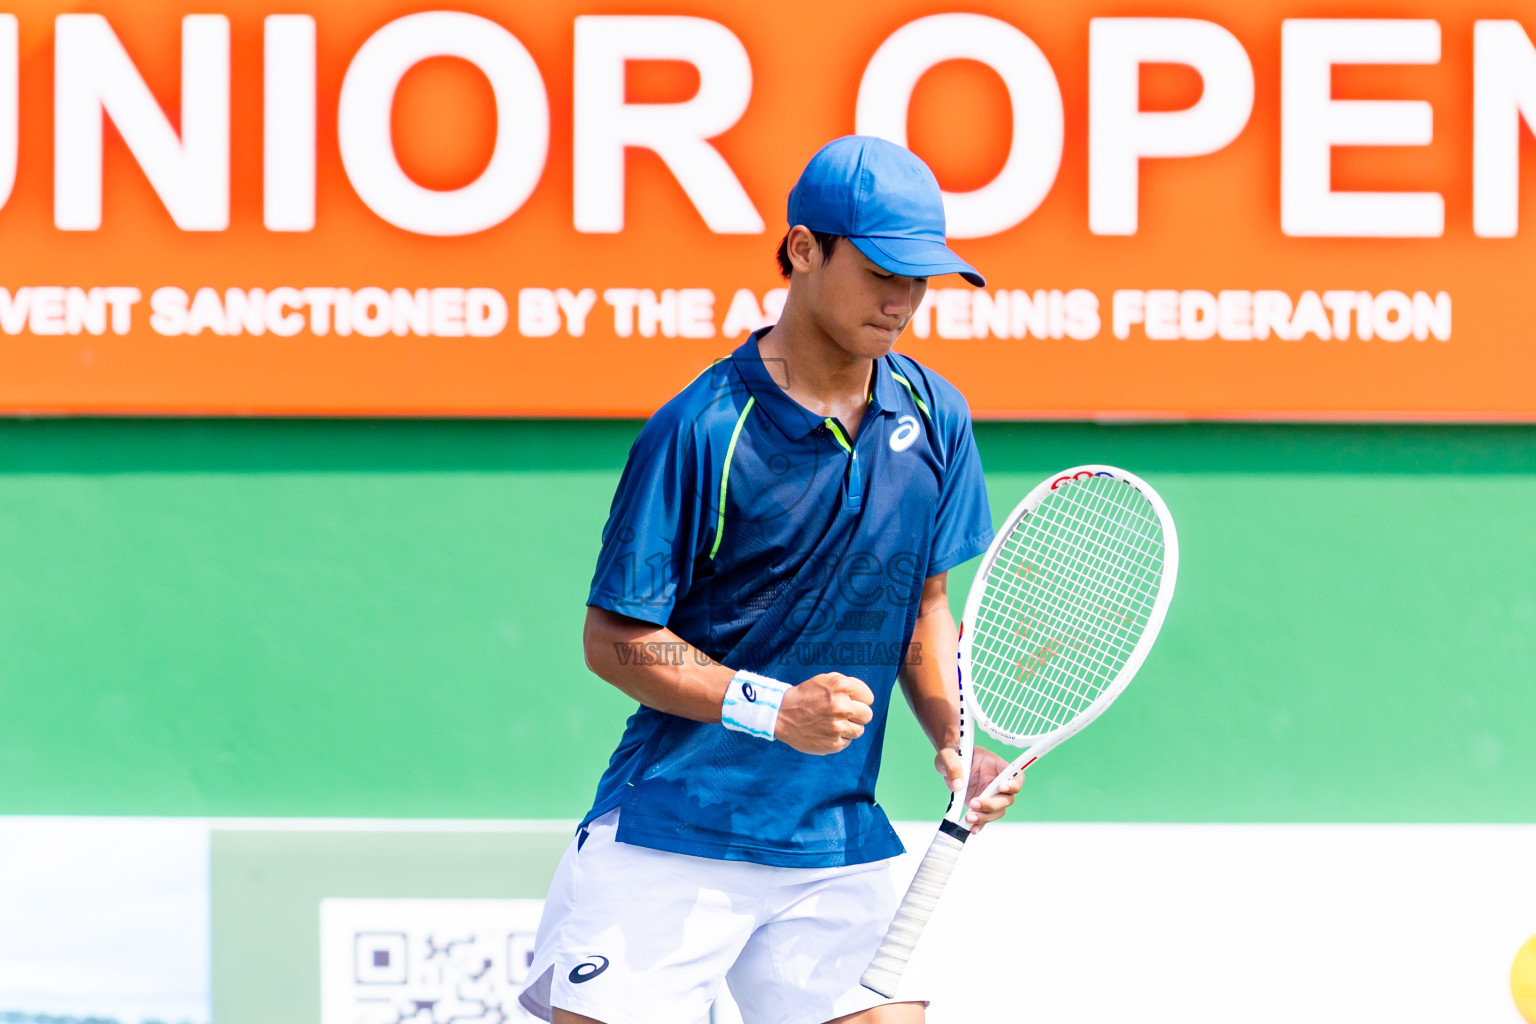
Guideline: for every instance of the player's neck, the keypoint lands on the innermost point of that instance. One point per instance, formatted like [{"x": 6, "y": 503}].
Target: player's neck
[{"x": 815, "y": 371}]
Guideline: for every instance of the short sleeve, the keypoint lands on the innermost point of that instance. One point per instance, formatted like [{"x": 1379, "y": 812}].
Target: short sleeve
[
  {"x": 965, "y": 517},
  {"x": 653, "y": 529}
]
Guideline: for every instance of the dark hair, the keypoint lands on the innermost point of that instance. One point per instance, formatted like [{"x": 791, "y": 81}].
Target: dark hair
[{"x": 824, "y": 241}]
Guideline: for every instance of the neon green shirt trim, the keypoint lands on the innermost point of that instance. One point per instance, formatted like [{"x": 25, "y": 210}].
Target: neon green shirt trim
[
  {"x": 921, "y": 405},
  {"x": 725, "y": 474},
  {"x": 837, "y": 432}
]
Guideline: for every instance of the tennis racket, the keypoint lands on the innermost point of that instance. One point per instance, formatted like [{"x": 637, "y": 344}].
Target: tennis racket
[{"x": 1065, "y": 606}]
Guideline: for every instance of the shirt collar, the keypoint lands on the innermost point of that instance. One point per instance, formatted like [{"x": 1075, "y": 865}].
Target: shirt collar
[{"x": 794, "y": 419}]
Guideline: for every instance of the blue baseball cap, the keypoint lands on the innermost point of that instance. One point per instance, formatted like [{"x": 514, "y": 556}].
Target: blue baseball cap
[{"x": 884, "y": 200}]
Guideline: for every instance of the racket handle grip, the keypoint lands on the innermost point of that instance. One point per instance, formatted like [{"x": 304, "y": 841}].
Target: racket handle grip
[{"x": 884, "y": 971}]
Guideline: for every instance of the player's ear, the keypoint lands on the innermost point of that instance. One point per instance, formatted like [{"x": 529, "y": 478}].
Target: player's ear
[{"x": 804, "y": 253}]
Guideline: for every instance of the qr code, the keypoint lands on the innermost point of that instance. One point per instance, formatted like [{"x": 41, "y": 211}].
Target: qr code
[{"x": 413, "y": 961}]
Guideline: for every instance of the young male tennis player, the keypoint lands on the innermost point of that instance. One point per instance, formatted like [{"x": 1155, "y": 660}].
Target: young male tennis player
[{"x": 774, "y": 561}]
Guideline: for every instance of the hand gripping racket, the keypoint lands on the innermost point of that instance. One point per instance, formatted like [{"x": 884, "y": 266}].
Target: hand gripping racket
[{"x": 1064, "y": 608}]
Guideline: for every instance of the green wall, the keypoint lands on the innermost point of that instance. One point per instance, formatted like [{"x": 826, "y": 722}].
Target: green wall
[{"x": 344, "y": 618}]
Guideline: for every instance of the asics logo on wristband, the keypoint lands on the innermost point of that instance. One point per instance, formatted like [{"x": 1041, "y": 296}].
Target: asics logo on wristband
[
  {"x": 587, "y": 969},
  {"x": 751, "y": 704}
]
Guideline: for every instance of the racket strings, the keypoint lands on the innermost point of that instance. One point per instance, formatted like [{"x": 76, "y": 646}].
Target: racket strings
[
  {"x": 1065, "y": 602},
  {"x": 1010, "y": 561},
  {"x": 1057, "y": 703},
  {"x": 1029, "y": 662},
  {"x": 1116, "y": 568},
  {"x": 1043, "y": 691},
  {"x": 1101, "y": 627}
]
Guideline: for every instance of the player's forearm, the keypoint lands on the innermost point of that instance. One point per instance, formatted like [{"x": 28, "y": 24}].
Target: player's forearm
[
  {"x": 928, "y": 676},
  {"x": 654, "y": 665}
]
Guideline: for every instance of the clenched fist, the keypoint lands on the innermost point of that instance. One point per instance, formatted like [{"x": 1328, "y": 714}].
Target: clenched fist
[{"x": 825, "y": 713}]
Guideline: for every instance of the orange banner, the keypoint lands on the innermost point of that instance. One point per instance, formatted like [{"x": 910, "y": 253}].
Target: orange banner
[{"x": 1209, "y": 210}]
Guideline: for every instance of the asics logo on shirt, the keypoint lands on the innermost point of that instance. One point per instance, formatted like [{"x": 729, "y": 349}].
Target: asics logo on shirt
[
  {"x": 907, "y": 429},
  {"x": 587, "y": 969}
]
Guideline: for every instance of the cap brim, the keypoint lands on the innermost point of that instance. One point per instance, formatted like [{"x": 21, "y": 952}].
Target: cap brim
[{"x": 916, "y": 257}]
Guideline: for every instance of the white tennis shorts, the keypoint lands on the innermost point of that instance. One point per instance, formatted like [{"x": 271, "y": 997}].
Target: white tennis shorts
[{"x": 632, "y": 935}]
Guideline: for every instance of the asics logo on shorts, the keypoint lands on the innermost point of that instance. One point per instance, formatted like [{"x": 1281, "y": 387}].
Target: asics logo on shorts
[
  {"x": 588, "y": 969},
  {"x": 907, "y": 429}
]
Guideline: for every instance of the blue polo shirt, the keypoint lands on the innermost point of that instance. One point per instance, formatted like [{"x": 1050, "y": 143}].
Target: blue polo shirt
[{"x": 772, "y": 539}]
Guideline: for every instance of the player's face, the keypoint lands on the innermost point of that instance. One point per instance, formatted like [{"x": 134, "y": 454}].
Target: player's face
[{"x": 862, "y": 307}]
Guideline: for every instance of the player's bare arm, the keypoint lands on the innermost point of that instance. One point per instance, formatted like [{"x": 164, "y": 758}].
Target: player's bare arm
[
  {"x": 928, "y": 680},
  {"x": 821, "y": 715}
]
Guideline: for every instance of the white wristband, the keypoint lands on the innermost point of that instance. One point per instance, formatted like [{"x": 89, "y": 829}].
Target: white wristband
[{"x": 752, "y": 704}]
